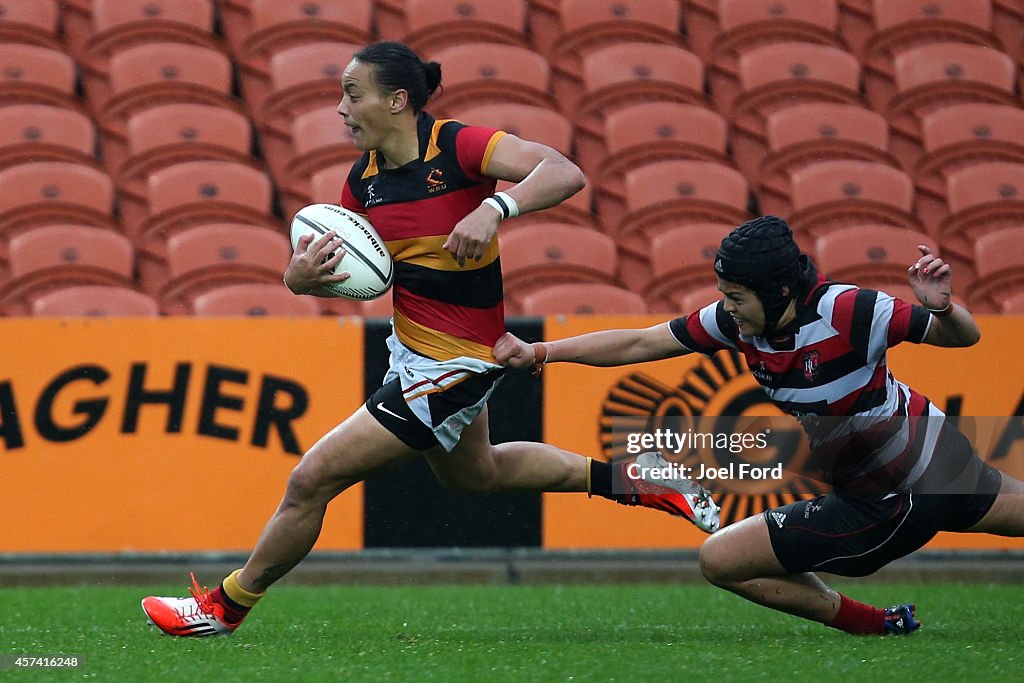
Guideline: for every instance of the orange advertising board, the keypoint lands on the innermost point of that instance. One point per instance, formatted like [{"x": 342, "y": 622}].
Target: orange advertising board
[
  {"x": 172, "y": 434},
  {"x": 579, "y": 402}
]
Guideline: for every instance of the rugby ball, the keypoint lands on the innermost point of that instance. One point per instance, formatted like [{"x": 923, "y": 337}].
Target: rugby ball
[{"x": 367, "y": 257}]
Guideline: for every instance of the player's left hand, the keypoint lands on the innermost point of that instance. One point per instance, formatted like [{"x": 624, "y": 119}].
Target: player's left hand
[
  {"x": 513, "y": 352},
  {"x": 472, "y": 235},
  {"x": 931, "y": 280}
]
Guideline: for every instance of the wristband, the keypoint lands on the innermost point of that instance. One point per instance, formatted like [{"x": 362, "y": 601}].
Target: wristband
[
  {"x": 540, "y": 356},
  {"x": 503, "y": 204},
  {"x": 942, "y": 312}
]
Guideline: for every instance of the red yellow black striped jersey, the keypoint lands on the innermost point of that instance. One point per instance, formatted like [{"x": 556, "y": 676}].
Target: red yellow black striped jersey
[{"x": 442, "y": 310}]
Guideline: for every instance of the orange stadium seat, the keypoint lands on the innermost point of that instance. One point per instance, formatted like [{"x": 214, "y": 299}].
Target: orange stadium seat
[
  {"x": 651, "y": 132},
  {"x": 748, "y": 24},
  {"x": 589, "y": 25},
  {"x": 37, "y": 132},
  {"x": 210, "y": 256},
  {"x": 278, "y": 25},
  {"x": 320, "y": 139},
  {"x": 701, "y": 22},
  {"x": 95, "y": 301},
  {"x": 172, "y": 134},
  {"x": 696, "y": 299},
  {"x": 958, "y": 136},
  {"x": 57, "y": 256},
  {"x": 254, "y": 299},
  {"x": 155, "y": 75},
  {"x": 381, "y": 307},
  {"x": 625, "y": 74},
  {"x": 577, "y": 209},
  {"x": 30, "y": 74},
  {"x": 834, "y": 195},
  {"x": 76, "y": 24},
  {"x": 486, "y": 73},
  {"x": 390, "y": 18},
  {"x": 544, "y": 18},
  {"x": 902, "y": 26},
  {"x": 997, "y": 259},
  {"x": 303, "y": 79},
  {"x": 982, "y": 199},
  {"x": 1012, "y": 304},
  {"x": 54, "y": 192},
  {"x": 783, "y": 75},
  {"x": 813, "y": 132},
  {"x": 935, "y": 76},
  {"x": 667, "y": 194},
  {"x": 196, "y": 193},
  {"x": 33, "y": 22},
  {"x": 681, "y": 261},
  {"x": 235, "y": 22},
  {"x": 543, "y": 254},
  {"x": 856, "y": 23},
  {"x": 872, "y": 256},
  {"x": 122, "y": 24},
  {"x": 438, "y": 24},
  {"x": 583, "y": 298},
  {"x": 1008, "y": 25},
  {"x": 325, "y": 185}
]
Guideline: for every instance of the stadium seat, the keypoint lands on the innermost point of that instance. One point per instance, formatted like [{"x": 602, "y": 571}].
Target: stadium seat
[
  {"x": 872, "y": 256},
  {"x": 667, "y": 194},
  {"x": 902, "y": 26},
  {"x": 303, "y": 79},
  {"x": 76, "y": 24},
  {"x": 749, "y": 24},
  {"x": 856, "y": 23},
  {"x": 122, "y": 24},
  {"x": 210, "y": 256},
  {"x": 783, "y": 75},
  {"x": 320, "y": 140},
  {"x": 390, "y": 18},
  {"x": 958, "y": 136},
  {"x": 997, "y": 259},
  {"x": 38, "y": 132},
  {"x": 589, "y": 25},
  {"x": 650, "y": 132},
  {"x": 583, "y": 298},
  {"x": 935, "y": 76},
  {"x": 33, "y": 22},
  {"x": 577, "y": 210},
  {"x": 438, "y": 24},
  {"x": 544, "y": 17},
  {"x": 155, "y": 75},
  {"x": 278, "y": 25},
  {"x": 196, "y": 193},
  {"x": 982, "y": 199},
  {"x": 681, "y": 261},
  {"x": 834, "y": 195},
  {"x": 543, "y": 254},
  {"x": 53, "y": 257},
  {"x": 325, "y": 185},
  {"x": 172, "y": 134},
  {"x": 1013, "y": 304},
  {"x": 701, "y": 23},
  {"x": 254, "y": 299},
  {"x": 30, "y": 74},
  {"x": 1008, "y": 25},
  {"x": 696, "y": 299},
  {"x": 53, "y": 192},
  {"x": 95, "y": 301},
  {"x": 381, "y": 307},
  {"x": 491, "y": 73},
  {"x": 625, "y": 74},
  {"x": 813, "y": 132}
]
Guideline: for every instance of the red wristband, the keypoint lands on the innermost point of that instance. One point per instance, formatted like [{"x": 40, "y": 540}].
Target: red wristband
[{"x": 540, "y": 356}]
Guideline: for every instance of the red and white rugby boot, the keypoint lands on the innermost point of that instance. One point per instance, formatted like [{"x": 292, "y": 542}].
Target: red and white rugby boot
[
  {"x": 654, "y": 482},
  {"x": 199, "y": 615}
]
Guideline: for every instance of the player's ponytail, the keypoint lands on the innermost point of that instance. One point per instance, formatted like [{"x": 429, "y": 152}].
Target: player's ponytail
[{"x": 398, "y": 67}]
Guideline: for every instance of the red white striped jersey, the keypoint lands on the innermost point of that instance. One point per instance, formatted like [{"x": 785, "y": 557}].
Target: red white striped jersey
[{"x": 831, "y": 364}]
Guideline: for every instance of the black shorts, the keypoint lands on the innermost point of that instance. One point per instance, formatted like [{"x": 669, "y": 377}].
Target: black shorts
[{"x": 858, "y": 535}]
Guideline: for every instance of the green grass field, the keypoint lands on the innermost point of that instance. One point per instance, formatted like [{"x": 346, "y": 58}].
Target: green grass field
[{"x": 510, "y": 633}]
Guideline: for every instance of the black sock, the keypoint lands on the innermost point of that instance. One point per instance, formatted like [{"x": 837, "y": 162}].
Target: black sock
[{"x": 602, "y": 475}]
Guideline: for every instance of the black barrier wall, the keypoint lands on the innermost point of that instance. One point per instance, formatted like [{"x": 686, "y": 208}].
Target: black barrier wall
[{"x": 408, "y": 508}]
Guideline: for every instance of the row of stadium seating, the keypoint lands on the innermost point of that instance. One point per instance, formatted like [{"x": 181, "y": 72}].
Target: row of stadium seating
[{"x": 622, "y": 87}]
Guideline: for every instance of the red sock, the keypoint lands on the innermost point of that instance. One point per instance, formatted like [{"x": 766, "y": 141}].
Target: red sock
[
  {"x": 233, "y": 612},
  {"x": 857, "y": 617}
]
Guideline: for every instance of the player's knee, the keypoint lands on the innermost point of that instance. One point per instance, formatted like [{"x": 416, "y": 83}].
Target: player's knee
[
  {"x": 715, "y": 563},
  {"x": 309, "y": 484}
]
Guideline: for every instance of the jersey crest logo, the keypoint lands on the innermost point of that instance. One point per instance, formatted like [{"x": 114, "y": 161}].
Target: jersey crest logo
[
  {"x": 435, "y": 180},
  {"x": 812, "y": 364},
  {"x": 372, "y": 198}
]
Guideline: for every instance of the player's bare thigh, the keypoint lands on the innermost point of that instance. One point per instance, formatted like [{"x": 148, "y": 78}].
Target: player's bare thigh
[
  {"x": 349, "y": 453},
  {"x": 740, "y": 552},
  {"x": 470, "y": 465},
  {"x": 1006, "y": 516}
]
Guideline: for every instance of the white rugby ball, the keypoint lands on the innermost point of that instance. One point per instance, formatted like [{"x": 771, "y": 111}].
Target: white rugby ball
[{"x": 367, "y": 257}]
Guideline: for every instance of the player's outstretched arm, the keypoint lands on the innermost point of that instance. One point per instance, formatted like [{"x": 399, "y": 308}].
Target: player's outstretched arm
[
  {"x": 952, "y": 325},
  {"x": 605, "y": 348}
]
